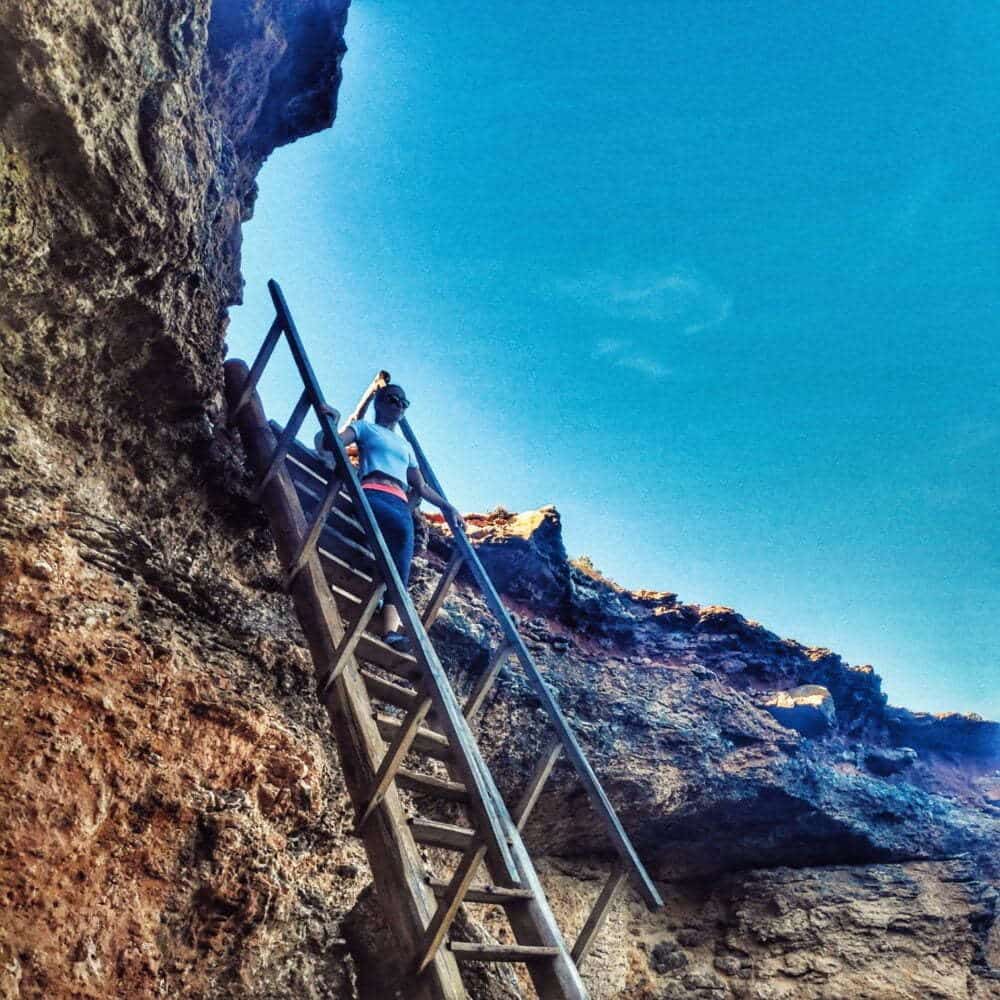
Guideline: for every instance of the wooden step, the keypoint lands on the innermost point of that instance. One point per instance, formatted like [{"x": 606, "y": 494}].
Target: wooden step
[
  {"x": 465, "y": 951},
  {"x": 316, "y": 482},
  {"x": 311, "y": 497},
  {"x": 303, "y": 455},
  {"x": 374, "y": 650},
  {"x": 446, "y": 835},
  {"x": 426, "y": 784},
  {"x": 494, "y": 894},
  {"x": 349, "y": 605},
  {"x": 391, "y": 694},
  {"x": 342, "y": 574},
  {"x": 336, "y": 543},
  {"x": 426, "y": 741}
]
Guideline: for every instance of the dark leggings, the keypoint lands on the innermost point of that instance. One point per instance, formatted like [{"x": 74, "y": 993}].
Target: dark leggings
[{"x": 396, "y": 524}]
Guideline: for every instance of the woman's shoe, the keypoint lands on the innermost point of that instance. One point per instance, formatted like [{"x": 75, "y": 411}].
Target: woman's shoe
[{"x": 397, "y": 641}]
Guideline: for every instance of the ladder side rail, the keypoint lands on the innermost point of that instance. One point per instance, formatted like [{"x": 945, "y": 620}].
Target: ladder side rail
[
  {"x": 397, "y": 867},
  {"x": 327, "y": 423},
  {"x": 598, "y": 797},
  {"x": 560, "y": 978},
  {"x": 486, "y": 798}
]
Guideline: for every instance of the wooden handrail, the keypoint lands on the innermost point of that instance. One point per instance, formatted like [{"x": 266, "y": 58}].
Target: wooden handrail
[
  {"x": 477, "y": 775},
  {"x": 598, "y": 797}
]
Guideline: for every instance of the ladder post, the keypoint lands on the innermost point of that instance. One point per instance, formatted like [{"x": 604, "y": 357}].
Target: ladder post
[
  {"x": 259, "y": 364},
  {"x": 350, "y": 640},
  {"x": 598, "y": 914},
  {"x": 315, "y": 529},
  {"x": 395, "y": 756},
  {"x": 486, "y": 680}
]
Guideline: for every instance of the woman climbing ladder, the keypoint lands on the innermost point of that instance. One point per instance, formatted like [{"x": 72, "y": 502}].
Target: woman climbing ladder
[{"x": 388, "y": 467}]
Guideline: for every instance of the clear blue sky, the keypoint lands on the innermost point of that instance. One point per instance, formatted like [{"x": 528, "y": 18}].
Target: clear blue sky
[{"x": 717, "y": 279}]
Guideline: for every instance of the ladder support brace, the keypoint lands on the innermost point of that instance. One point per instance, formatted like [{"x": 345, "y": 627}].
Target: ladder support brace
[
  {"x": 538, "y": 778},
  {"x": 598, "y": 915},
  {"x": 309, "y": 542},
  {"x": 347, "y": 645},
  {"x": 448, "y": 906}
]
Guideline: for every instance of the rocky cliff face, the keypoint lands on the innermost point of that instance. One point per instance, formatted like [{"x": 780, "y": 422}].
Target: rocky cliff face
[{"x": 172, "y": 817}]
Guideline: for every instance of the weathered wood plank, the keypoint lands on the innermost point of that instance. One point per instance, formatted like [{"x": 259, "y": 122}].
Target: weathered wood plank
[
  {"x": 466, "y": 951},
  {"x": 374, "y": 650},
  {"x": 391, "y": 694},
  {"x": 493, "y": 894},
  {"x": 445, "y": 835},
  {"x": 311, "y": 497},
  {"x": 486, "y": 680},
  {"x": 281, "y": 449},
  {"x": 426, "y": 741},
  {"x": 536, "y": 783},
  {"x": 450, "y": 902},
  {"x": 344, "y": 575},
  {"x": 436, "y": 602},
  {"x": 319, "y": 515},
  {"x": 351, "y": 637},
  {"x": 427, "y": 784},
  {"x": 598, "y": 915},
  {"x": 395, "y": 755},
  {"x": 239, "y": 402}
]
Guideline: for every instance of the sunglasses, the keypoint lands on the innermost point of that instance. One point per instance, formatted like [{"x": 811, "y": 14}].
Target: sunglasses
[{"x": 394, "y": 400}]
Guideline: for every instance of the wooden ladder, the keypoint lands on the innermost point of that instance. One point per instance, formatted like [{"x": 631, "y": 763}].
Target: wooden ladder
[{"x": 337, "y": 570}]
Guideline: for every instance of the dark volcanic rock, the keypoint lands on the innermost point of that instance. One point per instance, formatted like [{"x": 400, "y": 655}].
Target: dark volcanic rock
[
  {"x": 808, "y": 709},
  {"x": 882, "y": 761},
  {"x": 949, "y": 732},
  {"x": 525, "y": 556}
]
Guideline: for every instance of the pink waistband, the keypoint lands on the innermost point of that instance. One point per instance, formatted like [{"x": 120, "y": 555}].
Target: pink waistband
[{"x": 385, "y": 488}]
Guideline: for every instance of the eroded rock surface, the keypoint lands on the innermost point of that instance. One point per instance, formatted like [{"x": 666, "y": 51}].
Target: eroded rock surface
[{"x": 172, "y": 816}]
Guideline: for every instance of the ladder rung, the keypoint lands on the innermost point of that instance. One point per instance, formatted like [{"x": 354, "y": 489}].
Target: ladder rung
[
  {"x": 446, "y": 835},
  {"x": 375, "y": 651},
  {"x": 304, "y": 456},
  {"x": 399, "y": 747},
  {"x": 495, "y": 894},
  {"x": 467, "y": 952},
  {"x": 344, "y": 575},
  {"x": 352, "y": 552},
  {"x": 345, "y": 522},
  {"x": 427, "y": 784},
  {"x": 426, "y": 742},
  {"x": 392, "y": 694},
  {"x": 348, "y": 642},
  {"x": 316, "y": 482},
  {"x": 350, "y": 604}
]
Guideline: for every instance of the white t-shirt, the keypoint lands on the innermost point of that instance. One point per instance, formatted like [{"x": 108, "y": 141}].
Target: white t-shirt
[{"x": 383, "y": 451}]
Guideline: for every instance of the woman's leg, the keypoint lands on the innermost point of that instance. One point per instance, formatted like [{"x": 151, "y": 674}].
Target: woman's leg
[{"x": 396, "y": 524}]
